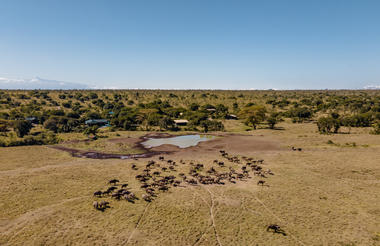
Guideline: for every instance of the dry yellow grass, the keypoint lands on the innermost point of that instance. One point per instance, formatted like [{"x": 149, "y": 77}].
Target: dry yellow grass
[{"x": 325, "y": 195}]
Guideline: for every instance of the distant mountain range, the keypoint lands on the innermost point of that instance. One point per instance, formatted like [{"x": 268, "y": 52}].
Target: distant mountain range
[
  {"x": 372, "y": 87},
  {"x": 39, "y": 83}
]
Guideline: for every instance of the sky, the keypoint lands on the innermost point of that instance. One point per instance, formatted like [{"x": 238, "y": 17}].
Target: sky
[{"x": 180, "y": 44}]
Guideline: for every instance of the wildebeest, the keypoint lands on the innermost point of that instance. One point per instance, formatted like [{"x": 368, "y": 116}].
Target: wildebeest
[
  {"x": 116, "y": 195},
  {"x": 147, "y": 197},
  {"x": 261, "y": 182},
  {"x": 276, "y": 229},
  {"x": 98, "y": 193},
  {"x": 113, "y": 181},
  {"x": 163, "y": 188},
  {"x": 103, "y": 204},
  {"x": 112, "y": 188},
  {"x": 124, "y": 185}
]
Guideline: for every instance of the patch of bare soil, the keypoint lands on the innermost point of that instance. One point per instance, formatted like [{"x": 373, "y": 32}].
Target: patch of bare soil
[
  {"x": 100, "y": 155},
  {"x": 233, "y": 142}
]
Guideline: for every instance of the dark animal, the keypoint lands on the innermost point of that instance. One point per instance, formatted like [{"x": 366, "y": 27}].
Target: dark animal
[
  {"x": 276, "y": 229},
  {"x": 113, "y": 181},
  {"x": 112, "y": 188},
  {"x": 261, "y": 182},
  {"x": 146, "y": 198},
  {"x": 124, "y": 185},
  {"x": 103, "y": 204},
  {"x": 98, "y": 193}
]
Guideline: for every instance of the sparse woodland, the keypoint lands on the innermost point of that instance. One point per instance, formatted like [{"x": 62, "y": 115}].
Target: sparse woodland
[{"x": 56, "y": 112}]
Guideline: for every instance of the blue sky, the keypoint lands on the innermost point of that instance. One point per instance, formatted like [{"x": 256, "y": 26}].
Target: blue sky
[{"x": 193, "y": 43}]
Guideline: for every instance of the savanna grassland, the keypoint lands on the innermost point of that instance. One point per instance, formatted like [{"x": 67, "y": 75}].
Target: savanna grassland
[{"x": 326, "y": 193}]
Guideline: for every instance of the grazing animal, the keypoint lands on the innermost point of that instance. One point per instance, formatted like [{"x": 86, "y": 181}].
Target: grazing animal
[
  {"x": 261, "y": 182},
  {"x": 116, "y": 195},
  {"x": 112, "y": 188},
  {"x": 163, "y": 188},
  {"x": 161, "y": 158},
  {"x": 276, "y": 229},
  {"x": 107, "y": 192},
  {"x": 113, "y": 181},
  {"x": 98, "y": 193},
  {"x": 296, "y": 149},
  {"x": 124, "y": 185},
  {"x": 146, "y": 198},
  {"x": 103, "y": 204}
]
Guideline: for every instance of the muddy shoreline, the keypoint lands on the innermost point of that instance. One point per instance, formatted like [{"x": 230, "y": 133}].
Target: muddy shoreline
[
  {"x": 100, "y": 155},
  {"x": 218, "y": 143}
]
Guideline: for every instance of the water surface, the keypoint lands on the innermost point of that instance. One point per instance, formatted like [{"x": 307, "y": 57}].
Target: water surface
[{"x": 180, "y": 141}]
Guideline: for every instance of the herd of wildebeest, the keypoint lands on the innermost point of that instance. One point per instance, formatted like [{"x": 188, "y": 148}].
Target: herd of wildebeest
[{"x": 158, "y": 176}]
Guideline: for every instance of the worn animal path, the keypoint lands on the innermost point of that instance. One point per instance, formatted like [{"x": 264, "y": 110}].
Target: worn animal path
[
  {"x": 212, "y": 215},
  {"x": 137, "y": 224},
  {"x": 204, "y": 232},
  {"x": 278, "y": 218},
  {"x": 19, "y": 224}
]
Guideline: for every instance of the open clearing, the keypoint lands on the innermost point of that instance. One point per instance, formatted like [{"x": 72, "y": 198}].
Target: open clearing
[{"x": 326, "y": 194}]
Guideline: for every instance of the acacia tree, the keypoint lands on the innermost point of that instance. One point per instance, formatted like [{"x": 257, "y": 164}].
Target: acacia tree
[
  {"x": 273, "y": 119},
  {"x": 254, "y": 115}
]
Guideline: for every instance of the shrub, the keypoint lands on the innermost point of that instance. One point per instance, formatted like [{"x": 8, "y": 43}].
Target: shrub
[
  {"x": 376, "y": 128},
  {"x": 328, "y": 125},
  {"x": 22, "y": 127},
  {"x": 212, "y": 125},
  {"x": 253, "y": 115}
]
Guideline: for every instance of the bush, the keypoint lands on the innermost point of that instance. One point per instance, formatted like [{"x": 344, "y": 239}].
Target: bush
[
  {"x": 212, "y": 125},
  {"x": 299, "y": 114},
  {"x": 253, "y": 115},
  {"x": 328, "y": 125},
  {"x": 42, "y": 139},
  {"x": 273, "y": 119},
  {"x": 376, "y": 128},
  {"x": 22, "y": 127}
]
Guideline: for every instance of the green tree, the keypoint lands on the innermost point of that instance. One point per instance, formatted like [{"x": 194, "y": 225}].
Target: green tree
[
  {"x": 3, "y": 126},
  {"x": 328, "y": 125},
  {"x": 254, "y": 115},
  {"x": 212, "y": 125},
  {"x": 166, "y": 123},
  {"x": 22, "y": 127},
  {"x": 273, "y": 119},
  {"x": 91, "y": 130},
  {"x": 376, "y": 128}
]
